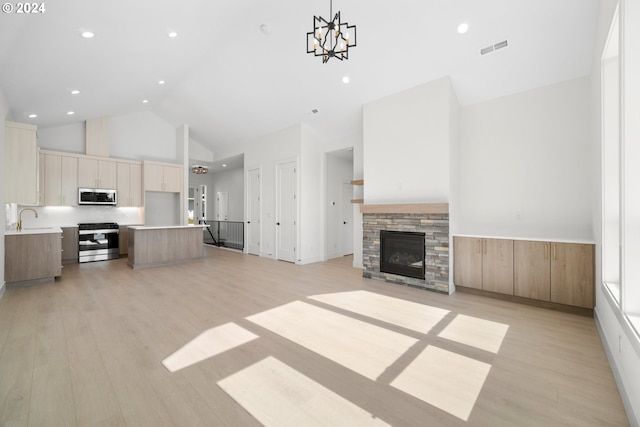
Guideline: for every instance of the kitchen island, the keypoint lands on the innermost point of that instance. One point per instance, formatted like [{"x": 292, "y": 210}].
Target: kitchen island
[{"x": 151, "y": 246}]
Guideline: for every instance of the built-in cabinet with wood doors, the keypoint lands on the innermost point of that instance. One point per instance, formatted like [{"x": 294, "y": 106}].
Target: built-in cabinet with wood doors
[
  {"x": 557, "y": 272},
  {"x": 129, "y": 179},
  {"x": 485, "y": 264},
  {"x": 59, "y": 179},
  {"x": 95, "y": 173},
  {"x": 21, "y": 164},
  {"x": 165, "y": 177}
]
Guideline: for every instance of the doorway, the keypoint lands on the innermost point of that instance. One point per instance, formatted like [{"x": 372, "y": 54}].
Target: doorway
[{"x": 254, "y": 211}]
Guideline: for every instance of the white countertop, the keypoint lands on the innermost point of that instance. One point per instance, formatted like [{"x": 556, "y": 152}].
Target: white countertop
[
  {"x": 534, "y": 239},
  {"x": 164, "y": 227},
  {"x": 33, "y": 230}
]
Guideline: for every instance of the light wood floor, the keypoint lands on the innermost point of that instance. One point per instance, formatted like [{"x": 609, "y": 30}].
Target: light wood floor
[{"x": 86, "y": 350}]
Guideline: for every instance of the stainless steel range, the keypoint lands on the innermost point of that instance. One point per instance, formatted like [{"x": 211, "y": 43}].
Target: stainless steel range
[{"x": 98, "y": 241}]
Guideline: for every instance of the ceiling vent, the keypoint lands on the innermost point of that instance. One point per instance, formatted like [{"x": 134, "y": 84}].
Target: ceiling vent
[{"x": 493, "y": 47}]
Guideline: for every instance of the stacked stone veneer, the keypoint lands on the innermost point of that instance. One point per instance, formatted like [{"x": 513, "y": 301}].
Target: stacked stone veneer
[{"x": 436, "y": 245}]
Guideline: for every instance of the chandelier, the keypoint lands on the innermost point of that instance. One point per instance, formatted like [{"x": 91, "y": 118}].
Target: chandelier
[
  {"x": 331, "y": 39},
  {"x": 200, "y": 170}
]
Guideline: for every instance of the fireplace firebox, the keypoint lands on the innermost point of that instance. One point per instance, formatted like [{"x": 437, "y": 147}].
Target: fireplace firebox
[{"x": 402, "y": 253}]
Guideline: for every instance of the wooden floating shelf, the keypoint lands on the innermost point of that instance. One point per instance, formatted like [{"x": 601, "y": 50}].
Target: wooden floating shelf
[
  {"x": 358, "y": 201},
  {"x": 357, "y": 182},
  {"x": 417, "y": 208}
]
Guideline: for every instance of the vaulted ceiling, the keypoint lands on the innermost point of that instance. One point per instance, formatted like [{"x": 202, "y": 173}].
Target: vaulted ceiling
[{"x": 239, "y": 69}]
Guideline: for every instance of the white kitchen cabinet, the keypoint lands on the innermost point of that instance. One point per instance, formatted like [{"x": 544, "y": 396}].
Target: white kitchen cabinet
[
  {"x": 21, "y": 164},
  {"x": 96, "y": 173},
  {"x": 60, "y": 180},
  {"x": 162, "y": 177},
  {"x": 129, "y": 180}
]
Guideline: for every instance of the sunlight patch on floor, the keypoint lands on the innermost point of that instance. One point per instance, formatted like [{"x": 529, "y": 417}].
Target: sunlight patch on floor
[
  {"x": 478, "y": 333},
  {"x": 364, "y": 348},
  {"x": 209, "y": 343},
  {"x": 278, "y": 395},
  {"x": 417, "y": 317},
  {"x": 446, "y": 380}
]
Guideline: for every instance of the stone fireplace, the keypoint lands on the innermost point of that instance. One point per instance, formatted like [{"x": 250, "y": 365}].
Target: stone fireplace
[{"x": 402, "y": 258}]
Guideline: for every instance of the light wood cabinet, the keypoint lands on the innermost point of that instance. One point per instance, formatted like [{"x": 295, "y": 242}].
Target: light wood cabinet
[
  {"x": 485, "y": 264},
  {"x": 69, "y": 245},
  {"x": 94, "y": 173},
  {"x": 532, "y": 269},
  {"x": 129, "y": 180},
  {"x": 32, "y": 256},
  {"x": 97, "y": 137},
  {"x": 21, "y": 164},
  {"x": 497, "y": 265},
  {"x": 467, "y": 266},
  {"x": 572, "y": 274},
  {"x": 162, "y": 177},
  {"x": 561, "y": 273},
  {"x": 60, "y": 180}
]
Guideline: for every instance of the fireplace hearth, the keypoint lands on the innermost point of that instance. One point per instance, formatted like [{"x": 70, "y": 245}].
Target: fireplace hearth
[{"x": 402, "y": 253}]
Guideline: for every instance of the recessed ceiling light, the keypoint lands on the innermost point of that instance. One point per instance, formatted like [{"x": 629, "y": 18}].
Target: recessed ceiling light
[
  {"x": 145, "y": 101},
  {"x": 463, "y": 28},
  {"x": 70, "y": 113},
  {"x": 33, "y": 116},
  {"x": 346, "y": 80},
  {"x": 87, "y": 34},
  {"x": 75, "y": 92},
  {"x": 161, "y": 82},
  {"x": 224, "y": 165},
  {"x": 172, "y": 34}
]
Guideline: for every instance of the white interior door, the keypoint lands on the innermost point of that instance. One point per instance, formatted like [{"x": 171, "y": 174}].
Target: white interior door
[
  {"x": 286, "y": 215},
  {"x": 347, "y": 219},
  {"x": 222, "y": 206},
  {"x": 254, "y": 228}
]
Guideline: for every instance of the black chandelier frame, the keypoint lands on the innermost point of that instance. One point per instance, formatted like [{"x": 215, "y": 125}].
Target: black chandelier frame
[{"x": 331, "y": 39}]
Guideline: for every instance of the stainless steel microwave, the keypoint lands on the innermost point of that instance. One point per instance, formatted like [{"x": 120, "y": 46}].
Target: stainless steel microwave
[{"x": 97, "y": 196}]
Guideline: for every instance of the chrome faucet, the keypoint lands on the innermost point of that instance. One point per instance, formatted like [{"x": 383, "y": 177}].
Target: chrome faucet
[{"x": 19, "y": 227}]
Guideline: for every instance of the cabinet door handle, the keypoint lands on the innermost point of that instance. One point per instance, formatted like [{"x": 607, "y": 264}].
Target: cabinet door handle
[{"x": 555, "y": 258}]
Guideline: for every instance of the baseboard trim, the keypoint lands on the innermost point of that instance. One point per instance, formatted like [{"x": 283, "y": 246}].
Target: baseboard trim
[{"x": 633, "y": 420}]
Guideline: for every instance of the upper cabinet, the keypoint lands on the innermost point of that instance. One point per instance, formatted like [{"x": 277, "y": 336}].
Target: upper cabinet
[
  {"x": 163, "y": 177},
  {"x": 21, "y": 164},
  {"x": 60, "y": 181},
  {"x": 129, "y": 184},
  {"x": 97, "y": 137},
  {"x": 94, "y": 173}
]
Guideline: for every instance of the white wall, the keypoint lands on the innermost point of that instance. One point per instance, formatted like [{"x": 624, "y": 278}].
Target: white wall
[
  {"x": 311, "y": 180},
  {"x": 4, "y": 112},
  {"x": 231, "y": 182},
  {"x": 407, "y": 145},
  {"x": 525, "y": 166},
  {"x": 136, "y": 136}
]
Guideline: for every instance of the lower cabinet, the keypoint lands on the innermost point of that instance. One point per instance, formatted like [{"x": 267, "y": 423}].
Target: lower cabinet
[
  {"x": 485, "y": 264},
  {"x": 32, "y": 256},
  {"x": 572, "y": 274},
  {"x": 556, "y": 272},
  {"x": 69, "y": 245}
]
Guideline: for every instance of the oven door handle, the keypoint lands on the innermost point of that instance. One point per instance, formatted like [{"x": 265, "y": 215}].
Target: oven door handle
[{"x": 106, "y": 231}]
